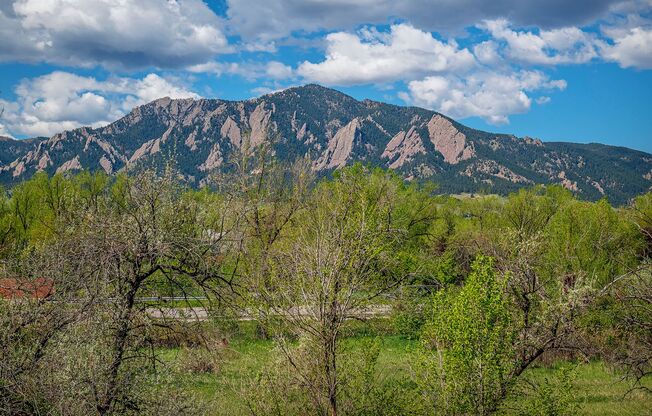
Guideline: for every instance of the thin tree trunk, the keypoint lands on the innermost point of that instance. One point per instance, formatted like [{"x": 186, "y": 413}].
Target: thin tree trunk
[{"x": 121, "y": 335}]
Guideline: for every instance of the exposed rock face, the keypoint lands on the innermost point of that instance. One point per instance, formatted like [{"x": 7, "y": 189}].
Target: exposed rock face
[
  {"x": 72, "y": 164},
  {"x": 231, "y": 131},
  {"x": 192, "y": 114},
  {"x": 191, "y": 141},
  {"x": 19, "y": 169},
  {"x": 108, "y": 149},
  {"x": 339, "y": 147},
  {"x": 164, "y": 138},
  {"x": 403, "y": 147},
  {"x": 302, "y": 132},
  {"x": 533, "y": 141},
  {"x": 214, "y": 159},
  {"x": 598, "y": 187},
  {"x": 44, "y": 161},
  {"x": 259, "y": 122},
  {"x": 449, "y": 141},
  {"x": 494, "y": 144},
  {"x": 162, "y": 102},
  {"x": 333, "y": 130},
  {"x": 148, "y": 148},
  {"x": 567, "y": 183},
  {"x": 106, "y": 165}
]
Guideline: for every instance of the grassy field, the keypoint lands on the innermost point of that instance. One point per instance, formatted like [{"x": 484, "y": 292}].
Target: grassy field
[{"x": 599, "y": 391}]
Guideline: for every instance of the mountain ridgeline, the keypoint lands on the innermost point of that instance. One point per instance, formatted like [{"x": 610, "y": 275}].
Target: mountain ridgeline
[{"x": 334, "y": 130}]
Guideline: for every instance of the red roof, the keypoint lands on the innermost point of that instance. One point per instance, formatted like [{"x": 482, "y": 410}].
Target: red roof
[{"x": 38, "y": 288}]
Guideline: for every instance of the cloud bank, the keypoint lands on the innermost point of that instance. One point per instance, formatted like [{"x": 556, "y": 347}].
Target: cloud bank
[
  {"x": 467, "y": 58},
  {"x": 61, "y": 100},
  {"x": 115, "y": 34}
]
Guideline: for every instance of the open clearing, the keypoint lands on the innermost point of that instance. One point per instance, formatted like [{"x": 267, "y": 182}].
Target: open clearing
[{"x": 598, "y": 390}]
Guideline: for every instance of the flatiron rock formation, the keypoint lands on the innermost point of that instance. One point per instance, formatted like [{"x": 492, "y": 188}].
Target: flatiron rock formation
[{"x": 334, "y": 130}]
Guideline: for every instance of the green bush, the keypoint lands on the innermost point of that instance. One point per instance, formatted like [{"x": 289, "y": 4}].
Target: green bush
[
  {"x": 409, "y": 314},
  {"x": 468, "y": 353},
  {"x": 553, "y": 396}
]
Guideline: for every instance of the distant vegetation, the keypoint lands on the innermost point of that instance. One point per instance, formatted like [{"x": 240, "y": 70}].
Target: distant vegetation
[{"x": 355, "y": 295}]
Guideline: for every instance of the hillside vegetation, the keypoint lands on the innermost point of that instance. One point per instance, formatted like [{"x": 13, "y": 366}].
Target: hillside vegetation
[{"x": 332, "y": 130}]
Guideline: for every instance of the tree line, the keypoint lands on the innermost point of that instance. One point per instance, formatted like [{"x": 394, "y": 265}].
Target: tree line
[{"x": 489, "y": 286}]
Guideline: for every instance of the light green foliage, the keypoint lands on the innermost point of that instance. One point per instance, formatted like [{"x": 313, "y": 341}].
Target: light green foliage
[
  {"x": 369, "y": 392},
  {"x": 552, "y": 396},
  {"x": 100, "y": 245},
  {"x": 409, "y": 311},
  {"x": 355, "y": 239},
  {"x": 367, "y": 389},
  {"x": 590, "y": 241},
  {"x": 628, "y": 331},
  {"x": 517, "y": 277},
  {"x": 468, "y": 353},
  {"x": 595, "y": 390},
  {"x": 340, "y": 259},
  {"x": 641, "y": 212}
]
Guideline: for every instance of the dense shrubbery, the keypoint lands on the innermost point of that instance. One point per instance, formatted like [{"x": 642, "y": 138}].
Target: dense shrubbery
[{"x": 487, "y": 285}]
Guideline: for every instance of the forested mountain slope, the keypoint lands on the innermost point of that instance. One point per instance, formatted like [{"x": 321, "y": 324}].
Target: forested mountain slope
[{"x": 334, "y": 130}]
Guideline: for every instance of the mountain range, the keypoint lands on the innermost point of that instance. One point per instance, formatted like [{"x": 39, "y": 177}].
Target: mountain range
[{"x": 333, "y": 130}]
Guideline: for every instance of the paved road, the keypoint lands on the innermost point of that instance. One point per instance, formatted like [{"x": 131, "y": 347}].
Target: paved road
[
  {"x": 181, "y": 314},
  {"x": 201, "y": 314}
]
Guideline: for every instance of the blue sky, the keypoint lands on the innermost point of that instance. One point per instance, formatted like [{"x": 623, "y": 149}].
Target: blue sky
[{"x": 557, "y": 70}]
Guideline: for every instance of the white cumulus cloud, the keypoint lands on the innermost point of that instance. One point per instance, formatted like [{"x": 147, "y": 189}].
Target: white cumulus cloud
[
  {"x": 568, "y": 45},
  {"x": 490, "y": 95},
  {"x": 61, "y": 100},
  {"x": 374, "y": 57},
  {"x": 123, "y": 34},
  {"x": 630, "y": 48}
]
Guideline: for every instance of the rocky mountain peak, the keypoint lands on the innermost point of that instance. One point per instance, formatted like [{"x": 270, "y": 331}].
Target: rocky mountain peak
[{"x": 335, "y": 130}]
